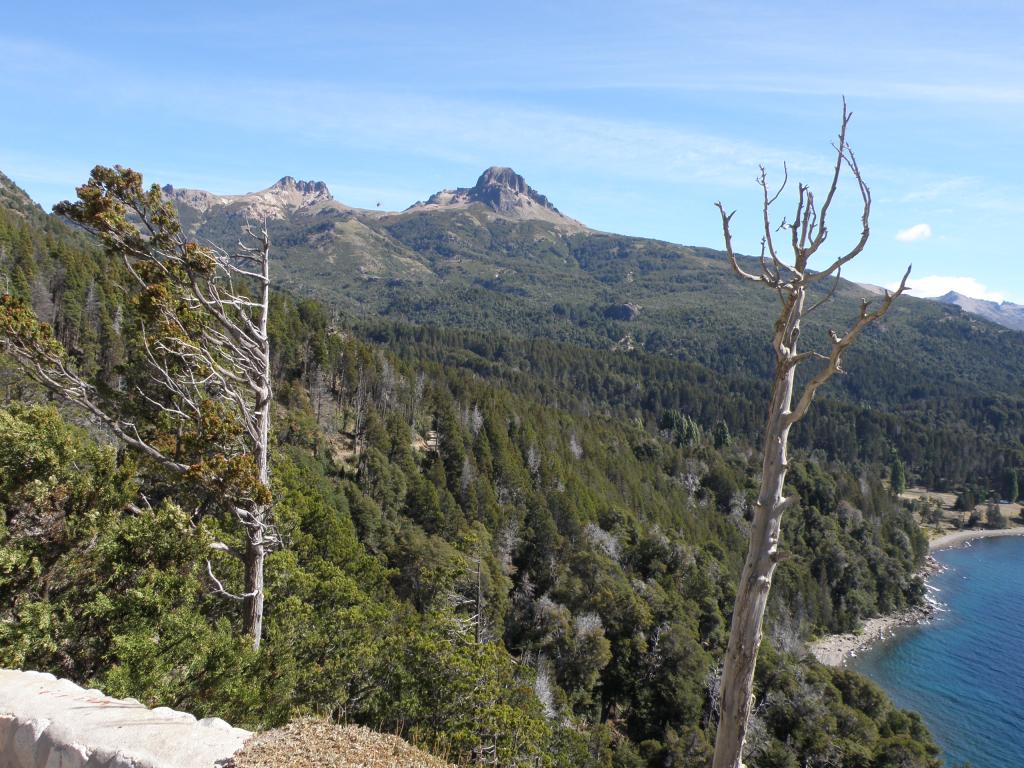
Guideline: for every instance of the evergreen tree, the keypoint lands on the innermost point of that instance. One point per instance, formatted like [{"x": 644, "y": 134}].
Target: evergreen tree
[
  {"x": 1010, "y": 490},
  {"x": 897, "y": 476}
]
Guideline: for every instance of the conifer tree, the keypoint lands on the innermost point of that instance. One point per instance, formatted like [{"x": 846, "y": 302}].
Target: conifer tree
[
  {"x": 199, "y": 402},
  {"x": 898, "y": 476}
]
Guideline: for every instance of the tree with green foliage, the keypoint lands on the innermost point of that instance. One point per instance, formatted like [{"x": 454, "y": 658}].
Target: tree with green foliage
[
  {"x": 199, "y": 405},
  {"x": 897, "y": 476},
  {"x": 994, "y": 515},
  {"x": 792, "y": 282},
  {"x": 96, "y": 589},
  {"x": 965, "y": 501},
  {"x": 720, "y": 434},
  {"x": 1010, "y": 486},
  {"x": 548, "y": 502}
]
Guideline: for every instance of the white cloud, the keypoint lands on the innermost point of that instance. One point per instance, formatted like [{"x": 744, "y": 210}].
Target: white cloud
[
  {"x": 939, "y": 285},
  {"x": 916, "y": 232}
]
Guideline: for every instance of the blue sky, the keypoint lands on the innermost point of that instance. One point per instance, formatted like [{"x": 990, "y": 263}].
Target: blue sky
[{"x": 632, "y": 119}]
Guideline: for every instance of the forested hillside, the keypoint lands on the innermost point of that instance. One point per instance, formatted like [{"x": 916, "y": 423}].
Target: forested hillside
[
  {"x": 514, "y": 551},
  {"x": 936, "y": 385}
]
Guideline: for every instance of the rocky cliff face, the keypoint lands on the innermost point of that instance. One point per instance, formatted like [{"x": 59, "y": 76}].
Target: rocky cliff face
[
  {"x": 286, "y": 197},
  {"x": 308, "y": 189}
]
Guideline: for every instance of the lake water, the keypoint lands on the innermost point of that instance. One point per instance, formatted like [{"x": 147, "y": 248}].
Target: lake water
[{"x": 964, "y": 672}]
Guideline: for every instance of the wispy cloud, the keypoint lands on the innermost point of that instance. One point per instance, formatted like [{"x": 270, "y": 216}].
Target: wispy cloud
[
  {"x": 31, "y": 55},
  {"x": 899, "y": 91},
  {"x": 914, "y": 233},
  {"x": 473, "y": 131},
  {"x": 938, "y": 190}
]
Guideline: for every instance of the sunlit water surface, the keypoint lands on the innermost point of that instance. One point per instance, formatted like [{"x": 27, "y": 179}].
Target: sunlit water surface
[{"x": 964, "y": 671}]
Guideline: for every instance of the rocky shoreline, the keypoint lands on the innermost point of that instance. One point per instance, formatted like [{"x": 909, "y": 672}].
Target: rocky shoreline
[{"x": 836, "y": 650}]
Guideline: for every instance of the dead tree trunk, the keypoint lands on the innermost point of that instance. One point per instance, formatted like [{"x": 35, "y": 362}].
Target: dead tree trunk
[
  {"x": 256, "y": 535},
  {"x": 791, "y": 281},
  {"x": 252, "y": 604}
]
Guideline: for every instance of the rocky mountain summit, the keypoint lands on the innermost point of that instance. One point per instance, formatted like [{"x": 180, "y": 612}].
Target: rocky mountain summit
[
  {"x": 500, "y": 193},
  {"x": 1006, "y": 314},
  {"x": 506, "y": 194},
  {"x": 316, "y": 189},
  {"x": 469, "y": 234},
  {"x": 278, "y": 201}
]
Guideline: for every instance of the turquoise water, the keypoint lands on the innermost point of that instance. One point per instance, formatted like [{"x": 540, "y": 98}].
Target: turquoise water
[{"x": 964, "y": 672}]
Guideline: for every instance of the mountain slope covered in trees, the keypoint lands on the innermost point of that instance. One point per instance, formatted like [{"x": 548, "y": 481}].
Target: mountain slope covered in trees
[
  {"x": 513, "y": 549},
  {"x": 938, "y": 386}
]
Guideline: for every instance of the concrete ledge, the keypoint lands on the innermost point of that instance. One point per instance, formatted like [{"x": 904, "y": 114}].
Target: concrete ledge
[{"x": 51, "y": 723}]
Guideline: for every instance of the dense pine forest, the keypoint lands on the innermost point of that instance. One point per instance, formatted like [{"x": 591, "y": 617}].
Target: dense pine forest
[{"x": 513, "y": 551}]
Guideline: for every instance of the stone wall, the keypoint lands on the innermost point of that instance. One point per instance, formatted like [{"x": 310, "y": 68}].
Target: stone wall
[{"x": 51, "y": 723}]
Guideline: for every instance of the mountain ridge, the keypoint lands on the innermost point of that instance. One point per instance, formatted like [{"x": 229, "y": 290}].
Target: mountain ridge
[
  {"x": 462, "y": 267},
  {"x": 1005, "y": 313},
  {"x": 424, "y": 244},
  {"x": 460, "y": 260},
  {"x": 499, "y": 191},
  {"x": 283, "y": 197},
  {"x": 14, "y": 198}
]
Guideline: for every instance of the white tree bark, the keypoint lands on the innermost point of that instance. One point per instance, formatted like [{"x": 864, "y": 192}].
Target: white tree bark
[
  {"x": 256, "y": 549},
  {"x": 256, "y": 537},
  {"x": 790, "y": 281}
]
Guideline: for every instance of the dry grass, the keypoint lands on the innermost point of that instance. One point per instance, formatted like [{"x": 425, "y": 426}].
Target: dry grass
[
  {"x": 314, "y": 743},
  {"x": 951, "y": 520}
]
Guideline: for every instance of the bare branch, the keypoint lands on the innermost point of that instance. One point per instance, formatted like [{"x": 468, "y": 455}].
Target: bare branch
[
  {"x": 766, "y": 207},
  {"x": 840, "y": 156},
  {"x": 865, "y": 194},
  {"x": 51, "y": 371},
  {"x": 829, "y": 295},
  {"x": 800, "y": 263},
  {"x": 220, "y": 546},
  {"x": 726, "y": 218},
  {"x": 840, "y": 344},
  {"x": 218, "y": 586}
]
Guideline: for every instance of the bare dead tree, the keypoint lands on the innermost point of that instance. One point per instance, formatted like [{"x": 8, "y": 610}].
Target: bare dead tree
[
  {"x": 807, "y": 232},
  {"x": 204, "y": 350}
]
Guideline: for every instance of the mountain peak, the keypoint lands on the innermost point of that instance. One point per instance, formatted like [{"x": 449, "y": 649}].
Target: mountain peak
[
  {"x": 290, "y": 184},
  {"x": 286, "y": 195},
  {"x": 1007, "y": 314},
  {"x": 500, "y": 176},
  {"x": 501, "y": 188},
  {"x": 506, "y": 194}
]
